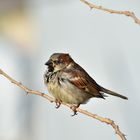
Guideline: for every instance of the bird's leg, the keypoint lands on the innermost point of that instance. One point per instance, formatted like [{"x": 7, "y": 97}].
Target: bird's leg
[
  {"x": 73, "y": 108},
  {"x": 58, "y": 103}
]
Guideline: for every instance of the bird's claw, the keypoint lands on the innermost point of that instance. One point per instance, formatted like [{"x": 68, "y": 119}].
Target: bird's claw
[
  {"x": 74, "y": 109},
  {"x": 58, "y": 104},
  {"x": 74, "y": 113}
]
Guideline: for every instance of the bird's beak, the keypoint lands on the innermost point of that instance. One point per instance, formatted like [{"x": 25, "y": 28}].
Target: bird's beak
[
  {"x": 48, "y": 62},
  {"x": 50, "y": 65}
]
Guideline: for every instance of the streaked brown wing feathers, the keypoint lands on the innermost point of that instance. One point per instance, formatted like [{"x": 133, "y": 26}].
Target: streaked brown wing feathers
[{"x": 80, "y": 78}]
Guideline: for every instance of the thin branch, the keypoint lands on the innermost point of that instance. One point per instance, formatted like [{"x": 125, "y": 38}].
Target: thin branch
[
  {"x": 95, "y": 116},
  {"x": 111, "y": 11}
]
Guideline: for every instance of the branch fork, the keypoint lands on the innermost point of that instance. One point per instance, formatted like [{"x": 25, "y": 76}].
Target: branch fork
[{"x": 111, "y": 11}]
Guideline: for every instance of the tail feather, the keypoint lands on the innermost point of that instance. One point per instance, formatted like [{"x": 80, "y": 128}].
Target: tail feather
[{"x": 107, "y": 91}]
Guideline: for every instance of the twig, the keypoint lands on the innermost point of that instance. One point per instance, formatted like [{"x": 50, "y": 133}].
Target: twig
[
  {"x": 95, "y": 116},
  {"x": 126, "y": 13}
]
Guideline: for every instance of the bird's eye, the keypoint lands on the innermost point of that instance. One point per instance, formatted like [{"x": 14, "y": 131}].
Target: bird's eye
[{"x": 57, "y": 62}]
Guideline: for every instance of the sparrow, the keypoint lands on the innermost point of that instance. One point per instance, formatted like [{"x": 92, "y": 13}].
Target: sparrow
[{"x": 68, "y": 82}]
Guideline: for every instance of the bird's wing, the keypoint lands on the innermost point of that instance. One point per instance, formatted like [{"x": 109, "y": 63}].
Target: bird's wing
[{"x": 80, "y": 78}]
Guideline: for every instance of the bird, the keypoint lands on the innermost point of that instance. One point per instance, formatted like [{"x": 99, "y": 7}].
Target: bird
[{"x": 69, "y": 83}]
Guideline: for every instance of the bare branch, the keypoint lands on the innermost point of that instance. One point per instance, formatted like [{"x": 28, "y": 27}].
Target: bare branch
[
  {"x": 95, "y": 116},
  {"x": 111, "y": 11}
]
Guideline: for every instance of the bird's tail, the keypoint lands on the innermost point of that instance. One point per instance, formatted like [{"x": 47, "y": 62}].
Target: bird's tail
[{"x": 107, "y": 91}]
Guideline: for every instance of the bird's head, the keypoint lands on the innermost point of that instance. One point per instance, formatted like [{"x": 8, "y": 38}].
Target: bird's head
[{"x": 58, "y": 61}]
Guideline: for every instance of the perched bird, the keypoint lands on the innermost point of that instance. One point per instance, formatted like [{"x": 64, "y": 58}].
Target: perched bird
[{"x": 68, "y": 82}]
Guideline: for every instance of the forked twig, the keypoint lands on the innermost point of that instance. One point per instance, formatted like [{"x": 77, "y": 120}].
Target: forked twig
[{"x": 111, "y": 11}]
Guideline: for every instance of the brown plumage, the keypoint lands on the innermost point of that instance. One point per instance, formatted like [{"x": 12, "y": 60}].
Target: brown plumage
[{"x": 69, "y": 82}]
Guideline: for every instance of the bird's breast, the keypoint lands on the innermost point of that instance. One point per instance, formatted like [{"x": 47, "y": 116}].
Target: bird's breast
[{"x": 63, "y": 90}]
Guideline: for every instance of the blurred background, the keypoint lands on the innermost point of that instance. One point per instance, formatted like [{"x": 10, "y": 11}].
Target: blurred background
[{"x": 107, "y": 46}]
